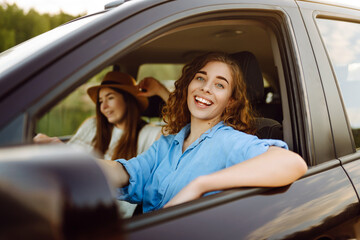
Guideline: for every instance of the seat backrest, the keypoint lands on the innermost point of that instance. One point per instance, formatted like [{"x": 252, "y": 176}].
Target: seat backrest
[
  {"x": 252, "y": 76},
  {"x": 266, "y": 127},
  {"x": 154, "y": 108}
]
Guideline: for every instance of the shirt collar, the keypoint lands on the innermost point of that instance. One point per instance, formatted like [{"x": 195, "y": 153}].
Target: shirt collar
[
  {"x": 210, "y": 132},
  {"x": 184, "y": 132}
]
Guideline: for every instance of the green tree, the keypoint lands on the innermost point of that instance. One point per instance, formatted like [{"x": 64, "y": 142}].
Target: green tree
[{"x": 16, "y": 26}]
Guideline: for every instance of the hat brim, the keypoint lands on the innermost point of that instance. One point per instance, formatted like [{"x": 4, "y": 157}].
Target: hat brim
[{"x": 143, "y": 101}]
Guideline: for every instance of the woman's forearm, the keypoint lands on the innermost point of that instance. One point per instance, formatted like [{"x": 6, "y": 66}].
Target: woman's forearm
[
  {"x": 42, "y": 138},
  {"x": 153, "y": 87},
  {"x": 274, "y": 168},
  {"x": 164, "y": 93},
  {"x": 277, "y": 167},
  {"x": 115, "y": 172}
]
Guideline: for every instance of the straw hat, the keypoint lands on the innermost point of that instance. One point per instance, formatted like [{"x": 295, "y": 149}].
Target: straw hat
[{"x": 120, "y": 81}]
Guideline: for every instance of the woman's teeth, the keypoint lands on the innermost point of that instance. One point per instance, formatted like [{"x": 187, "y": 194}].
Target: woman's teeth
[{"x": 204, "y": 101}]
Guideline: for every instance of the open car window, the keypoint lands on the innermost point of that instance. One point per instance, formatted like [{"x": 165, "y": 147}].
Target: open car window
[
  {"x": 164, "y": 54},
  {"x": 64, "y": 118}
]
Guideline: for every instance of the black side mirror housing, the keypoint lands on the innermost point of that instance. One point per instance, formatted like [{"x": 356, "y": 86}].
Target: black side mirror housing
[{"x": 54, "y": 192}]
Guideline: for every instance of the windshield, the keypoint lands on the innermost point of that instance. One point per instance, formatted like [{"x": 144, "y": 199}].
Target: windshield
[{"x": 22, "y": 51}]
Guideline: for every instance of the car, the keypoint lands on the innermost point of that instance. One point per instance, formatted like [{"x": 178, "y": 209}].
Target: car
[{"x": 307, "y": 53}]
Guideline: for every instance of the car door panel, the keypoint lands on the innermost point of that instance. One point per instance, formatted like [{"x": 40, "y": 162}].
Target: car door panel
[
  {"x": 308, "y": 208},
  {"x": 351, "y": 164}
]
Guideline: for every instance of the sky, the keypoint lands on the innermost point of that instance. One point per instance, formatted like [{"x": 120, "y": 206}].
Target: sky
[{"x": 72, "y": 7}]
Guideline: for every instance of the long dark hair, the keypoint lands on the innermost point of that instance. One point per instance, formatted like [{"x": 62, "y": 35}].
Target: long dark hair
[
  {"x": 127, "y": 144},
  {"x": 176, "y": 113}
]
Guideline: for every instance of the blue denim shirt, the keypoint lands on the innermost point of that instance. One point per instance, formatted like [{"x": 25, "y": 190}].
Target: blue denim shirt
[{"x": 158, "y": 174}]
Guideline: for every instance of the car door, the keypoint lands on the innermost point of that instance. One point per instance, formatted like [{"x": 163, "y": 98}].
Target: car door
[{"x": 317, "y": 205}]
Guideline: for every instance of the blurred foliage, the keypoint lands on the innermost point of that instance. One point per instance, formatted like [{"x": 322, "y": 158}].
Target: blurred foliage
[
  {"x": 66, "y": 117},
  {"x": 17, "y": 26},
  {"x": 356, "y": 134}
]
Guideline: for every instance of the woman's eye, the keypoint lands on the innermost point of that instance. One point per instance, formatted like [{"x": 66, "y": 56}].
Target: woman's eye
[
  {"x": 219, "y": 85},
  {"x": 200, "y": 78}
]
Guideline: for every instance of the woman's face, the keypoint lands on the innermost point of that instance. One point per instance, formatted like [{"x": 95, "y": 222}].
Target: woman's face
[
  {"x": 112, "y": 106},
  {"x": 209, "y": 93}
]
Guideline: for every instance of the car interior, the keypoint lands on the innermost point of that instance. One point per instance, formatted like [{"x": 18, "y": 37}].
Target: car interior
[
  {"x": 251, "y": 42},
  {"x": 255, "y": 44}
]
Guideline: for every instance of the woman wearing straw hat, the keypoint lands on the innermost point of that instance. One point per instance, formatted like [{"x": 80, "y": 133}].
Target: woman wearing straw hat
[{"x": 117, "y": 131}]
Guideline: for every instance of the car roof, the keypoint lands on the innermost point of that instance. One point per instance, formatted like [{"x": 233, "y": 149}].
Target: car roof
[{"x": 340, "y": 3}]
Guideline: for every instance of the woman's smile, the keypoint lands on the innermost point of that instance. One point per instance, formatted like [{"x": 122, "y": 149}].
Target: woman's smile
[
  {"x": 201, "y": 101},
  {"x": 209, "y": 93},
  {"x": 108, "y": 114}
]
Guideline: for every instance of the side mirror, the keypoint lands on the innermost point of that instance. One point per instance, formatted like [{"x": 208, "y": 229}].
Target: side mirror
[{"x": 54, "y": 192}]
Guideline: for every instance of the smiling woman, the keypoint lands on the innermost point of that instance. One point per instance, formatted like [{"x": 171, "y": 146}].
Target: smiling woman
[
  {"x": 209, "y": 93},
  {"x": 207, "y": 154},
  {"x": 118, "y": 130}
]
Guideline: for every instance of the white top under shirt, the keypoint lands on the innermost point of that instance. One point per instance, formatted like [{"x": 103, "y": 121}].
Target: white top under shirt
[{"x": 86, "y": 133}]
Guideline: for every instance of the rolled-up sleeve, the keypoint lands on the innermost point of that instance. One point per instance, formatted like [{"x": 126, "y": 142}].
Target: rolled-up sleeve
[
  {"x": 250, "y": 146},
  {"x": 260, "y": 146},
  {"x": 139, "y": 169}
]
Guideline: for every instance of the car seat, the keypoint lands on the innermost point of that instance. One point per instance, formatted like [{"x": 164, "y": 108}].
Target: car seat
[
  {"x": 154, "y": 109},
  {"x": 266, "y": 127}
]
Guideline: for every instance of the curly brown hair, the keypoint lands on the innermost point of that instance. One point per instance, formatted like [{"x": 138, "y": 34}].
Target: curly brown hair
[{"x": 238, "y": 115}]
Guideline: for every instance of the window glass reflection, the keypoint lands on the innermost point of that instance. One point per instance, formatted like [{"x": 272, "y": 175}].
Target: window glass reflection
[{"x": 342, "y": 40}]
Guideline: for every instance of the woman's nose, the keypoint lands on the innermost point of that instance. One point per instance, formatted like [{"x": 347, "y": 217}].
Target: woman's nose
[
  {"x": 104, "y": 105},
  {"x": 206, "y": 87}
]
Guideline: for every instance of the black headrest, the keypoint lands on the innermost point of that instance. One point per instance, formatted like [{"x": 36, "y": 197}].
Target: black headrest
[
  {"x": 155, "y": 105},
  {"x": 252, "y": 75}
]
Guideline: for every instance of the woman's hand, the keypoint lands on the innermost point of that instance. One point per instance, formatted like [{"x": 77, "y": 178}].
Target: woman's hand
[
  {"x": 42, "y": 138},
  {"x": 150, "y": 87}
]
